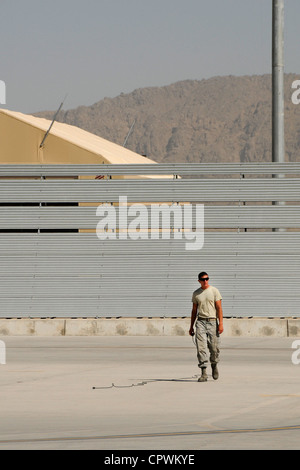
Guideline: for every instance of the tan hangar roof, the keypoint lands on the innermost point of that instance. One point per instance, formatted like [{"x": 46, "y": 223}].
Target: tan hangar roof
[{"x": 22, "y": 134}]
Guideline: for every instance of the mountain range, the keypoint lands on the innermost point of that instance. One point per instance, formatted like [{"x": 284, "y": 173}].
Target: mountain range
[{"x": 221, "y": 119}]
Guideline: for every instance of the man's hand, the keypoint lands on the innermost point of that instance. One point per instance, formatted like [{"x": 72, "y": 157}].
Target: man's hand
[
  {"x": 219, "y": 310},
  {"x": 193, "y": 319}
]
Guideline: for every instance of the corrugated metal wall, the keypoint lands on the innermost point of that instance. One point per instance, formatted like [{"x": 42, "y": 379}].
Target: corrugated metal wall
[{"x": 48, "y": 270}]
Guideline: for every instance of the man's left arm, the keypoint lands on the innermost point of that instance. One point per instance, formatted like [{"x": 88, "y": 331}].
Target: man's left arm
[{"x": 219, "y": 310}]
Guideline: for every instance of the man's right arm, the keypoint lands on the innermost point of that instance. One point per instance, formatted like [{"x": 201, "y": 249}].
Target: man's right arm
[{"x": 193, "y": 318}]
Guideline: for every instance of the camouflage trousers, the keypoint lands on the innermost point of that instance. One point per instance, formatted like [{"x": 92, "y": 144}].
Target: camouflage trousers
[{"x": 207, "y": 340}]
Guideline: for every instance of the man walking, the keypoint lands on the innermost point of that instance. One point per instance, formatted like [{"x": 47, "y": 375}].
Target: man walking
[{"x": 208, "y": 314}]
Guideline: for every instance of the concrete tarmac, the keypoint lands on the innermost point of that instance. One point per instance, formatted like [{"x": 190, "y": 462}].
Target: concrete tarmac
[{"x": 141, "y": 393}]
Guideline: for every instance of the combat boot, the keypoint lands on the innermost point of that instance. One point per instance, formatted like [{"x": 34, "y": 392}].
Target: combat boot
[
  {"x": 203, "y": 377},
  {"x": 215, "y": 372}
]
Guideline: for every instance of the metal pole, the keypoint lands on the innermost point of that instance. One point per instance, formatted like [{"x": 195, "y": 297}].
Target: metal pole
[
  {"x": 278, "y": 147},
  {"x": 278, "y": 150}
]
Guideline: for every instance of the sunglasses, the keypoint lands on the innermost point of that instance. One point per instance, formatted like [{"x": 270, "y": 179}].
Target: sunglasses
[{"x": 204, "y": 279}]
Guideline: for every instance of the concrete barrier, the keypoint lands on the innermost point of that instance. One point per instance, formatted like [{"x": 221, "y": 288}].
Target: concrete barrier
[{"x": 233, "y": 327}]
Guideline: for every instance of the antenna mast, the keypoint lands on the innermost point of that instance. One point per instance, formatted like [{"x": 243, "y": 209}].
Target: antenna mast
[
  {"x": 53, "y": 120},
  {"x": 130, "y": 130}
]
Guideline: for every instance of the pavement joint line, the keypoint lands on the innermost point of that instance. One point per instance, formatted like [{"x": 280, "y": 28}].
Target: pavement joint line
[{"x": 152, "y": 435}]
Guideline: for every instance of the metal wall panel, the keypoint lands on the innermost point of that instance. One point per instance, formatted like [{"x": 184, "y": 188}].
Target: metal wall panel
[
  {"x": 43, "y": 217},
  {"x": 177, "y": 190},
  {"x": 260, "y": 168},
  {"x": 78, "y": 275}
]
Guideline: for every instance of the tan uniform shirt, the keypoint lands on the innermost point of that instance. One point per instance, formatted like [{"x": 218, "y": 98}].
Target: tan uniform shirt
[{"x": 205, "y": 299}]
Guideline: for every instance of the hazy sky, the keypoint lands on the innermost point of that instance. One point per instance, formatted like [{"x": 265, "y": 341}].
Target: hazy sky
[{"x": 91, "y": 49}]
